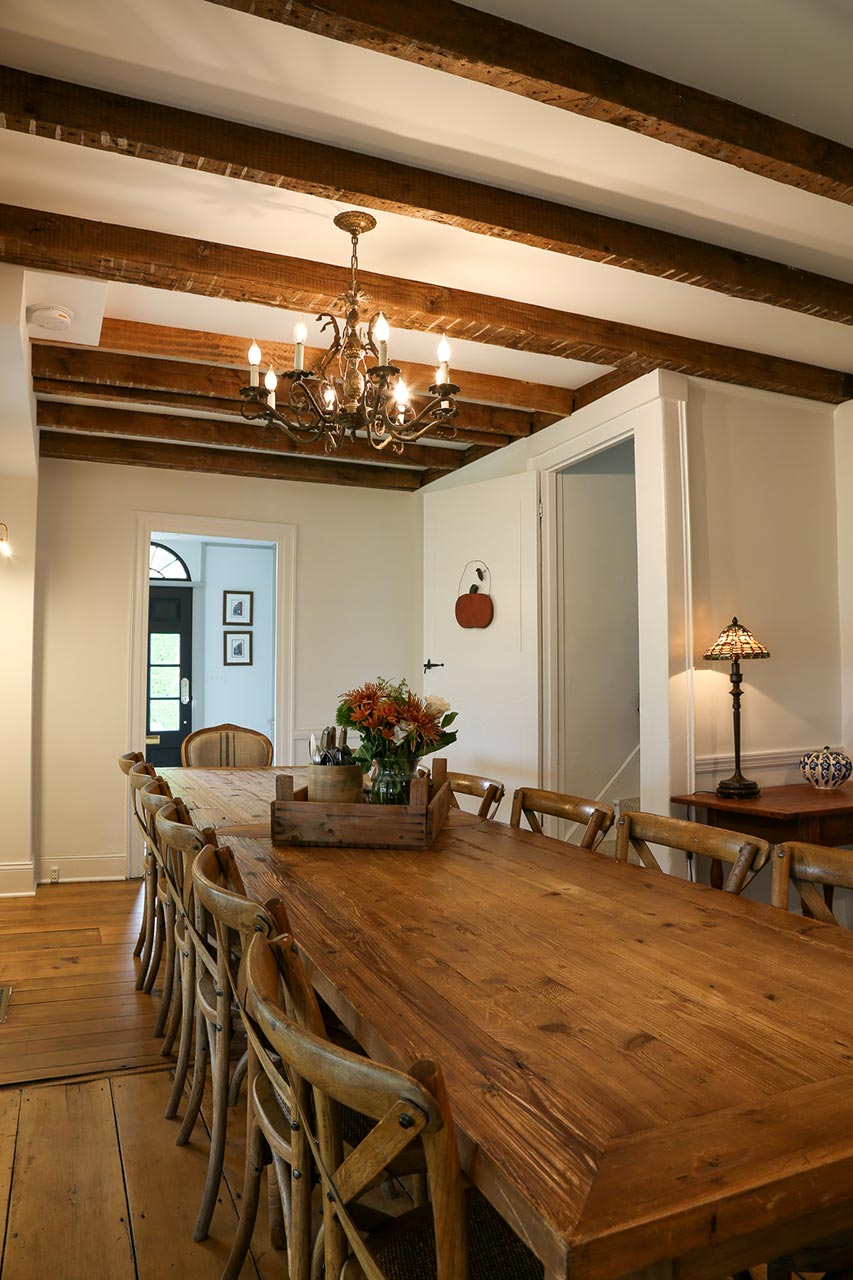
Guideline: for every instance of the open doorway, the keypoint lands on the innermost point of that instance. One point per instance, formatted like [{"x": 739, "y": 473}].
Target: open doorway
[
  {"x": 211, "y": 642},
  {"x": 598, "y": 627}
]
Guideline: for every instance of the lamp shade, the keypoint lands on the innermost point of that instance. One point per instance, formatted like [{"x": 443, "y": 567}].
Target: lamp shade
[{"x": 735, "y": 642}]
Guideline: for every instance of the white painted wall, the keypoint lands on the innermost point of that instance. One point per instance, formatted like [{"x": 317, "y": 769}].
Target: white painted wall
[
  {"x": 489, "y": 675},
  {"x": 762, "y": 472},
  {"x": 599, "y": 642},
  {"x": 358, "y": 604},
  {"x": 762, "y": 492},
  {"x": 18, "y": 507},
  {"x": 844, "y": 508},
  {"x": 238, "y": 695}
]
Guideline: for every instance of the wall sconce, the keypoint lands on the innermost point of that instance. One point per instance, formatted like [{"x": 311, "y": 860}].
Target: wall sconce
[{"x": 5, "y": 548}]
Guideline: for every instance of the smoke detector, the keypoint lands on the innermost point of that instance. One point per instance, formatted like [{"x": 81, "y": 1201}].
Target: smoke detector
[{"x": 46, "y": 315}]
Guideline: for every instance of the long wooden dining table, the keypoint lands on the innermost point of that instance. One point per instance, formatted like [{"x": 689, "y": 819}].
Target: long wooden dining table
[{"x": 648, "y": 1077}]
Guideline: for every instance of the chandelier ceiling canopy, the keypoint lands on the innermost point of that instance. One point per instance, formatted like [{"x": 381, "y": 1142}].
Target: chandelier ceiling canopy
[{"x": 354, "y": 388}]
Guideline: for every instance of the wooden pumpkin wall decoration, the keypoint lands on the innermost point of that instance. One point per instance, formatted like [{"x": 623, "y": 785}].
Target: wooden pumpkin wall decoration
[{"x": 474, "y": 607}]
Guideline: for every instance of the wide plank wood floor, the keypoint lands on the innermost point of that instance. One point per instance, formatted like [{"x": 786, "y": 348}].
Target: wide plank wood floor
[
  {"x": 67, "y": 956},
  {"x": 92, "y": 1186}
]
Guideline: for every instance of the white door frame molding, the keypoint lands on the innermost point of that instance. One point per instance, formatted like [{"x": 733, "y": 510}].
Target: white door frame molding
[
  {"x": 283, "y": 537},
  {"x": 652, "y": 412}
]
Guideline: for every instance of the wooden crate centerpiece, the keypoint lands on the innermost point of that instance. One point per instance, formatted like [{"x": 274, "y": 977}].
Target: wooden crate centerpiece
[{"x": 295, "y": 820}]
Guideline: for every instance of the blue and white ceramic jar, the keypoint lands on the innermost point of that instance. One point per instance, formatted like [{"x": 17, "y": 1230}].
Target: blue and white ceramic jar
[{"x": 826, "y": 768}]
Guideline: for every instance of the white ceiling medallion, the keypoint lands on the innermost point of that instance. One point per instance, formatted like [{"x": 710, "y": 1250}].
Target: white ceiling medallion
[{"x": 46, "y": 315}]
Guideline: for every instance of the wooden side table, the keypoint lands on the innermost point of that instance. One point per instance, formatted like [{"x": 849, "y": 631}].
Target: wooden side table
[{"x": 797, "y": 812}]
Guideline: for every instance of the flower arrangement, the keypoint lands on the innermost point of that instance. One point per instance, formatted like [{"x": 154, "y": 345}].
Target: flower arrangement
[{"x": 396, "y": 726}]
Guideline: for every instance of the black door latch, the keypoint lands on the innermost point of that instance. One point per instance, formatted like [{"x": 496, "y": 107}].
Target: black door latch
[{"x": 429, "y": 665}]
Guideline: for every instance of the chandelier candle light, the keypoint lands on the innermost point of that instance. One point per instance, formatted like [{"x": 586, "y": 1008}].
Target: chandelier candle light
[
  {"x": 735, "y": 643},
  {"x": 349, "y": 393}
]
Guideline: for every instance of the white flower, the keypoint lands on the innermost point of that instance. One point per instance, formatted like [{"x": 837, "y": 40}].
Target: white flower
[
  {"x": 438, "y": 706},
  {"x": 401, "y": 732}
]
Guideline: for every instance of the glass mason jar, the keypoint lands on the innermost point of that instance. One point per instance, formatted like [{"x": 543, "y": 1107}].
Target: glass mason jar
[{"x": 392, "y": 778}]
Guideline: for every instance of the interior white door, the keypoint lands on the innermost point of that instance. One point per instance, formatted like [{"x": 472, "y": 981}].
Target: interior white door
[{"x": 491, "y": 675}]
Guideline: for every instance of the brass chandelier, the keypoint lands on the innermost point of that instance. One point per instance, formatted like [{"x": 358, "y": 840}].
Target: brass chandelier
[{"x": 354, "y": 388}]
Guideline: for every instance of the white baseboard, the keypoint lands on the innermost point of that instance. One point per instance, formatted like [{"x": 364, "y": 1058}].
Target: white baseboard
[
  {"x": 770, "y": 768},
  {"x": 85, "y": 866},
  {"x": 16, "y": 880}
]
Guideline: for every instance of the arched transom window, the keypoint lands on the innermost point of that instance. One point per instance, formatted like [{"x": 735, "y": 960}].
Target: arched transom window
[{"x": 163, "y": 562}]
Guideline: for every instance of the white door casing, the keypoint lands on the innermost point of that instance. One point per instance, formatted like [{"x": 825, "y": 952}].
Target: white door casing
[
  {"x": 283, "y": 536},
  {"x": 652, "y": 411},
  {"x": 491, "y": 675}
]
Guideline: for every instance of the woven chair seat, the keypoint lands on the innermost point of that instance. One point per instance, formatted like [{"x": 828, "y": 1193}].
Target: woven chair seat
[{"x": 405, "y": 1249}]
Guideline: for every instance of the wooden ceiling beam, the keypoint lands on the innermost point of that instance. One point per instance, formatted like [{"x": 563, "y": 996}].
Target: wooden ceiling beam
[
  {"x": 129, "y": 127},
  {"x": 478, "y": 46},
  {"x": 55, "y": 242},
  {"x": 91, "y": 365},
  {"x": 225, "y": 462},
  {"x": 231, "y": 435},
  {"x": 135, "y": 338},
  {"x": 138, "y": 397}
]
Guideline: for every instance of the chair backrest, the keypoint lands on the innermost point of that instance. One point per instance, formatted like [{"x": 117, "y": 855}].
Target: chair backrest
[
  {"x": 226, "y": 746},
  {"x": 487, "y": 790},
  {"x": 595, "y": 816},
  {"x": 179, "y": 842},
  {"x": 139, "y": 776},
  {"x": 406, "y": 1108},
  {"x": 745, "y": 854},
  {"x": 805, "y": 866},
  {"x": 153, "y": 797},
  {"x": 127, "y": 761},
  {"x": 219, "y": 892}
]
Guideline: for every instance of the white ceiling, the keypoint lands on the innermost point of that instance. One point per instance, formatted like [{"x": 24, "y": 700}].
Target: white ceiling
[{"x": 785, "y": 57}]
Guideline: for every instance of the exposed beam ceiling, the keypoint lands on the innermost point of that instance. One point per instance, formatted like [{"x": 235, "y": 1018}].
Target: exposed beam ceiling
[
  {"x": 128, "y": 127},
  {"x": 478, "y": 46},
  {"x": 132, "y": 338},
  {"x": 229, "y": 462},
  {"x": 140, "y": 397},
  {"x": 210, "y": 382},
  {"x": 77, "y": 246},
  {"x": 126, "y": 423}
]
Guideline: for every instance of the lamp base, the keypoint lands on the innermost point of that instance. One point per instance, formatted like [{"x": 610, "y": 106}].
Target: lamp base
[{"x": 737, "y": 787}]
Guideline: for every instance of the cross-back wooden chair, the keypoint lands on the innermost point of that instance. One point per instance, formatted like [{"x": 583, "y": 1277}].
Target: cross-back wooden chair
[
  {"x": 487, "y": 790},
  {"x": 126, "y": 763},
  {"x": 810, "y": 868},
  {"x": 220, "y": 893},
  {"x": 744, "y": 854},
  {"x": 139, "y": 776},
  {"x": 226, "y": 746},
  {"x": 206, "y": 948},
  {"x": 594, "y": 816},
  {"x": 154, "y": 797},
  {"x": 458, "y": 1236},
  {"x": 181, "y": 841}
]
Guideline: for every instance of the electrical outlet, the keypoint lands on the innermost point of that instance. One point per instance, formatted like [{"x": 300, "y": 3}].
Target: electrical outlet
[{"x": 54, "y": 875}]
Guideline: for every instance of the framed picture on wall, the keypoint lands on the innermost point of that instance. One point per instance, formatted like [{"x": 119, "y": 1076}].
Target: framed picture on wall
[
  {"x": 237, "y": 608},
  {"x": 238, "y": 648}
]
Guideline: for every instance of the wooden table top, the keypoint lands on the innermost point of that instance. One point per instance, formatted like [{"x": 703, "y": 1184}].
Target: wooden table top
[
  {"x": 234, "y": 801},
  {"x": 778, "y": 802},
  {"x": 641, "y": 1069}
]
